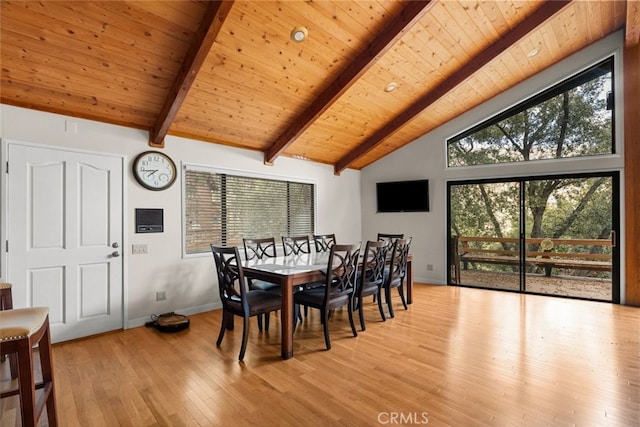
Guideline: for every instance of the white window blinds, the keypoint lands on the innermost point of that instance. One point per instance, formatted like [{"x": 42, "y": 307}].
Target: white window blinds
[{"x": 223, "y": 209}]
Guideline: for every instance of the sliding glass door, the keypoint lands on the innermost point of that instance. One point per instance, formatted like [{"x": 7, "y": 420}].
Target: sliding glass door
[
  {"x": 551, "y": 235},
  {"x": 485, "y": 230}
]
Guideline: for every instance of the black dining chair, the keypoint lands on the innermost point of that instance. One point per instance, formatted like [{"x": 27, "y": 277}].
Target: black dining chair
[
  {"x": 323, "y": 242},
  {"x": 396, "y": 273},
  {"x": 339, "y": 287},
  {"x": 294, "y": 245},
  {"x": 371, "y": 276},
  {"x": 391, "y": 237},
  {"x": 237, "y": 299},
  {"x": 260, "y": 249}
]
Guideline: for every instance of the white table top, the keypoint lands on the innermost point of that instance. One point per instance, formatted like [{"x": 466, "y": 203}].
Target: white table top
[{"x": 291, "y": 264}]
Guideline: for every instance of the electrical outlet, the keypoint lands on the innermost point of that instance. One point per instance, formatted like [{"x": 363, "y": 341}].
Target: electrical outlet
[
  {"x": 161, "y": 295},
  {"x": 139, "y": 249},
  {"x": 429, "y": 267}
]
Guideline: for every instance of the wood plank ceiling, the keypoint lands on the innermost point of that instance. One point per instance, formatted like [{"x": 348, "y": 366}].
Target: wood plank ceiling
[{"x": 229, "y": 72}]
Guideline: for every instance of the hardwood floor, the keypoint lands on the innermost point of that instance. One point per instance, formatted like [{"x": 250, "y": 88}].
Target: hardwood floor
[{"x": 457, "y": 357}]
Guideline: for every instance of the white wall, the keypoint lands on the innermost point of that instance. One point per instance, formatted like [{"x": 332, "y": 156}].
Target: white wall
[
  {"x": 189, "y": 282},
  {"x": 426, "y": 158}
]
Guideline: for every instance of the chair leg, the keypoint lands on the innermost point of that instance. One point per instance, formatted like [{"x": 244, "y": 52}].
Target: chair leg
[
  {"x": 379, "y": 295},
  {"x": 26, "y": 386},
  {"x": 351, "y": 322},
  {"x": 297, "y": 315},
  {"x": 401, "y": 292},
  {"x": 44, "y": 348},
  {"x": 325, "y": 326},
  {"x": 267, "y": 317},
  {"x": 223, "y": 328},
  {"x": 13, "y": 365},
  {"x": 245, "y": 337},
  {"x": 387, "y": 295},
  {"x": 361, "y": 314},
  {"x": 259, "y": 316}
]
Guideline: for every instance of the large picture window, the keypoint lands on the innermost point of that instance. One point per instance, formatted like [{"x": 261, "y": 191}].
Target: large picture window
[
  {"x": 223, "y": 209},
  {"x": 571, "y": 119}
]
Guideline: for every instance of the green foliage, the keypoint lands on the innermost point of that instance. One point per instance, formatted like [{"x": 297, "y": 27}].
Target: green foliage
[
  {"x": 488, "y": 210},
  {"x": 570, "y": 124}
]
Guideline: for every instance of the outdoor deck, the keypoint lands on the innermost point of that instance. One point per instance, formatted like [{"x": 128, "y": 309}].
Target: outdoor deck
[{"x": 580, "y": 287}]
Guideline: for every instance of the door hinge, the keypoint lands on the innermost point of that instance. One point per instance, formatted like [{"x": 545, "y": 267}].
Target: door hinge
[
  {"x": 6, "y": 168},
  {"x": 6, "y": 246}
]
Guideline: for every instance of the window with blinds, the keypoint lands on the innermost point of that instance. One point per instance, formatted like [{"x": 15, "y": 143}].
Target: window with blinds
[{"x": 223, "y": 209}]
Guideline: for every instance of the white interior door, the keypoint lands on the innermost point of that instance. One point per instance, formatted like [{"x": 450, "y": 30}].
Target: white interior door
[{"x": 64, "y": 237}]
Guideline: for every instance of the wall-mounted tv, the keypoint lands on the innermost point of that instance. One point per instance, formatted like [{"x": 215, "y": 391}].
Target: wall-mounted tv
[{"x": 403, "y": 196}]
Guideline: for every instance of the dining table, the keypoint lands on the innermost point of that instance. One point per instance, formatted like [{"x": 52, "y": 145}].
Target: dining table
[{"x": 292, "y": 271}]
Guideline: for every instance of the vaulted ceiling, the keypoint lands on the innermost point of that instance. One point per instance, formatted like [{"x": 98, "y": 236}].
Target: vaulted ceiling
[{"x": 230, "y": 72}]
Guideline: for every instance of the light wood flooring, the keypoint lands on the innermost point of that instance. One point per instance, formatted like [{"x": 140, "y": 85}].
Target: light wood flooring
[{"x": 457, "y": 357}]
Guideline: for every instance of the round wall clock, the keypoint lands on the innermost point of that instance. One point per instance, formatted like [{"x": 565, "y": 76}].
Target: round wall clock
[{"x": 154, "y": 170}]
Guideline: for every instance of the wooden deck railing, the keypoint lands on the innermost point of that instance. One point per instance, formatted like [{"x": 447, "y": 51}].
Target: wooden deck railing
[{"x": 574, "y": 254}]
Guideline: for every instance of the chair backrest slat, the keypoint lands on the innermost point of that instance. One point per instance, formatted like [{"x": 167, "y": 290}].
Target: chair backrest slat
[
  {"x": 259, "y": 248},
  {"x": 373, "y": 263},
  {"x": 231, "y": 281},
  {"x": 399, "y": 257},
  {"x": 323, "y": 242},
  {"x": 391, "y": 237},
  {"x": 296, "y": 245},
  {"x": 342, "y": 267}
]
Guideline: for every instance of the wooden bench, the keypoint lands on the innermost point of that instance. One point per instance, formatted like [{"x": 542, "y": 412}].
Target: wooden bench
[{"x": 548, "y": 258}]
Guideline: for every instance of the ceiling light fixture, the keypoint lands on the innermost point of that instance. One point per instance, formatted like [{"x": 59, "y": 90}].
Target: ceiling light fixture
[
  {"x": 533, "y": 52},
  {"x": 391, "y": 87},
  {"x": 298, "y": 34}
]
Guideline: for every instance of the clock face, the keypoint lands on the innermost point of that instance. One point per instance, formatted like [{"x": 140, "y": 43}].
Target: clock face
[{"x": 154, "y": 170}]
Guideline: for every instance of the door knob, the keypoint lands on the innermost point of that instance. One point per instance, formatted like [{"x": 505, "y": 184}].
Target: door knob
[
  {"x": 115, "y": 245},
  {"x": 115, "y": 254}
]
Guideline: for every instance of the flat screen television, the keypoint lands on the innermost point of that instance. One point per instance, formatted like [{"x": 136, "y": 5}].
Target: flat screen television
[{"x": 403, "y": 196}]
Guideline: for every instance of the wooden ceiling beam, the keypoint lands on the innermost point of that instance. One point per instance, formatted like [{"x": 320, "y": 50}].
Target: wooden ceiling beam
[
  {"x": 410, "y": 14},
  {"x": 544, "y": 12},
  {"x": 632, "y": 36},
  {"x": 214, "y": 16}
]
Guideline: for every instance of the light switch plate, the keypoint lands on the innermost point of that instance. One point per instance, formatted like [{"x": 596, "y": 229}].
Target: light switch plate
[{"x": 137, "y": 249}]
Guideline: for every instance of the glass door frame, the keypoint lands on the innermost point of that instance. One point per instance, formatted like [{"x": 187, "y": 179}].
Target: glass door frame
[{"x": 615, "y": 226}]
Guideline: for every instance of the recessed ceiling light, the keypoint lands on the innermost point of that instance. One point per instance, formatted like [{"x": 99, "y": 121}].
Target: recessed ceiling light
[
  {"x": 391, "y": 87},
  {"x": 298, "y": 34},
  {"x": 533, "y": 52}
]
